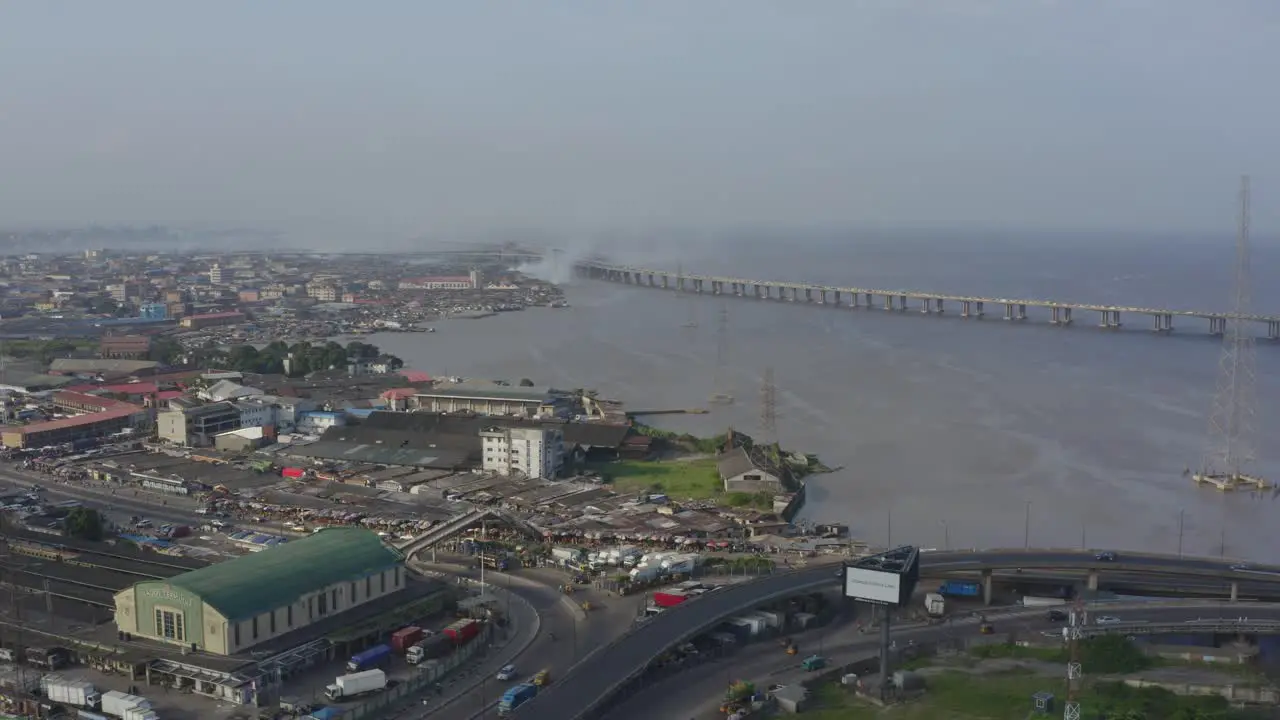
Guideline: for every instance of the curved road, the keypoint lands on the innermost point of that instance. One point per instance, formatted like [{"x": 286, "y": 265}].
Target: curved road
[
  {"x": 592, "y": 682},
  {"x": 696, "y": 690}
]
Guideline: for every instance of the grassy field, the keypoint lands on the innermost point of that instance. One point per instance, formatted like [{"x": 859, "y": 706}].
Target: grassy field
[
  {"x": 956, "y": 696},
  {"x": 680, "y": 479}
]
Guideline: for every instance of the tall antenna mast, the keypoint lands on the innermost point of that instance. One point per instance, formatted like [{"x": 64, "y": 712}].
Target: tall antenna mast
[
  {"x": 768, "y": 409},
  {"x": 1230, "y": 452},
  {"x": 722, "y": 395}
]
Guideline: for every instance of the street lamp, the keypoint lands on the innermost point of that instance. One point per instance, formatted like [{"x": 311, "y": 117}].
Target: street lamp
[{"x": 946, "y": 536}]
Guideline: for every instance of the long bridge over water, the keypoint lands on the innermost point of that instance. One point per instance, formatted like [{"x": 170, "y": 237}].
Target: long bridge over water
[{"x": 967, "y": 306}]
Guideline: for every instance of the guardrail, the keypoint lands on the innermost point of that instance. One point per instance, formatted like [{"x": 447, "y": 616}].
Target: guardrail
[
  {"x": 718, "y": 605},
  {"x": 1215, "y": 626}
]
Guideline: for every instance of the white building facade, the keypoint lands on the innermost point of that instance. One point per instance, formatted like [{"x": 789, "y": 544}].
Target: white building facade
[{"x": 532, "y": 452}]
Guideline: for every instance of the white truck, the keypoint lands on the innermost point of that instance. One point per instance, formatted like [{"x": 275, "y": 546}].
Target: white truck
[
  {"x": 137, "y": 712},
  {"x": 645, "y": 573},
  {"x": 116, "y": 703},
  {"x": 566, "y": 554},
  {"x": 345, "y": 687},
  {"x": 66, "y": 691},
  {"x": 935, "y": 605}
]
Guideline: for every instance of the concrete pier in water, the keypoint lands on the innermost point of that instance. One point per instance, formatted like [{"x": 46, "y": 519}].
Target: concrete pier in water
[{"x": 1014, "y": 310}]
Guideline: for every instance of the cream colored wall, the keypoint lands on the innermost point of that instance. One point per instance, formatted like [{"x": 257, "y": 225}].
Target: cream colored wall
[
  {"x": 306, "y": 609},
  {"x": 126, "y": 611},
  {"x": 215, "y": 632}
]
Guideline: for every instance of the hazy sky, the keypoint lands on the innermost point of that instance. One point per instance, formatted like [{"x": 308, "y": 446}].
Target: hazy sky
[{"x": 458, "y": 117}]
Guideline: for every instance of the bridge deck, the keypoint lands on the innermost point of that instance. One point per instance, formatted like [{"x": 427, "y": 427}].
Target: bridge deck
[{"x": 730, "y": 281}]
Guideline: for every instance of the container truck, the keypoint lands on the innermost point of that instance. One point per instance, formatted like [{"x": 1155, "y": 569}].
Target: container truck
[
  {"x": 429, "y": 648},
  {"x": 935, "y": 605},
  {"x": 683, "y": 566},
  {"x": 645, "y": 573},
  {"x": 137, "y": 712},
  {"x": 566, "y": 554},
  {"x": 516, "y": 696},
  {"x": 462, "y": 631},
  {"x": 114, "y": 702},
  {"x": 66, "y": 691},
  {"x": 669, "y": 599},
  {"x": 1034, "y": 601},
  {"x": 353, "y": 685},
  {"x": 960, "y": 588},
  {"x": 371, "y": 658},
  {"x": 404, "y": 638}
]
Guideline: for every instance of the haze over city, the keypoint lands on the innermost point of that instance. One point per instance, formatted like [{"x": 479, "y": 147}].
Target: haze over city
[{"x": 573, "y": 118}]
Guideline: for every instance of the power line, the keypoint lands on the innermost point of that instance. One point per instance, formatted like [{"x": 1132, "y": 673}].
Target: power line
[{"x": 1230, "y": 451}]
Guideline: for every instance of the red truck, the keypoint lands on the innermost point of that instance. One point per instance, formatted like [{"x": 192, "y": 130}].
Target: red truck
[
  {"x": 402, "y": 639},
  {"x": 668, "y": 600},
  {"x": 462, "y": 631}
]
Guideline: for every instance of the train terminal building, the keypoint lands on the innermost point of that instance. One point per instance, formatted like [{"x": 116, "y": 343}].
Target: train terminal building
[{"x": 228, "y": 608}]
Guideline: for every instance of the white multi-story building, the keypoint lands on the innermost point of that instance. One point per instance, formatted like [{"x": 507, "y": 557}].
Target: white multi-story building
[
  {"x": 256, "y": 412},
  {"x": 215, "y": 274},
  {"x": 535, "y": 452}
]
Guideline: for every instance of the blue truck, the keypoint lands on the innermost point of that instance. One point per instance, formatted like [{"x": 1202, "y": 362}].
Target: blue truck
[
  {"x": 516, "y": 696},
  {"x": 325, "y": 713},
  {"x": 371, "y": 658},
  {"x": 960, "y": 588}
]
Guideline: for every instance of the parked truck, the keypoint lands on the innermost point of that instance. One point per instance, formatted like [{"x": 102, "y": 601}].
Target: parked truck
[
  {"x": 404, "y": 638},
  {"x": 429, "y": 648},
  {"x": 353, "y": 685},
  {"x": 516, "y": 696},
  {"x": 369, "y": 659},
  {"x": 645, "y": 573},
  {"x": 935, "y": 605},
  {"x": 462, "y": 631},
  {"x": 115, "y": 703},
  {"x": 138, "y": 712},
  {"x": 66, "y": 691},
  {"x": 669, "y": 599},
  {"x": 960, "y": 588},
  {"x": 566, "y": 554}
]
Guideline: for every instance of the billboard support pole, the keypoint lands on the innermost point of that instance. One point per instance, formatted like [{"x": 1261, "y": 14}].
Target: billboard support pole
[{"x": 886, "y": 615}]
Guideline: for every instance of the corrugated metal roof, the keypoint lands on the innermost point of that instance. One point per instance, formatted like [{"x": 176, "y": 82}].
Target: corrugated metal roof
[{"x": 253, "y": 584}]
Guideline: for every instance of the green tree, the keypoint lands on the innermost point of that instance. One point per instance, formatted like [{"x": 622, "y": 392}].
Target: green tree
[
  {"x": 84, "y": 523},
  {"x": 526, "y": 382}
]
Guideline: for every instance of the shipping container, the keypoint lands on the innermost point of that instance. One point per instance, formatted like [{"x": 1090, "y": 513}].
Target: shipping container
[
  {"x": 404, "y": 638},
  {"x": 325, "y": 713},
  {"x": 115, "y": 703},
  {"x": 960, "y": 588},
  {"x": 371, "y": 658},
  {"x": 462, "y": 631},
  {"x": 669, "y": 599}
]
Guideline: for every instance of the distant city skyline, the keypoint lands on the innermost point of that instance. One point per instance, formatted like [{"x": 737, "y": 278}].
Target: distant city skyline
[{"x": 577, "y": 119}]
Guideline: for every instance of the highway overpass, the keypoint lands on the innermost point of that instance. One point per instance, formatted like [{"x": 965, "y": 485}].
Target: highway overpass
[{"x": 590, "y": 684}]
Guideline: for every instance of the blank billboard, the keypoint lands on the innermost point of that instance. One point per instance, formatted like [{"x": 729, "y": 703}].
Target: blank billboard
[{"x": 872, "y": 586}]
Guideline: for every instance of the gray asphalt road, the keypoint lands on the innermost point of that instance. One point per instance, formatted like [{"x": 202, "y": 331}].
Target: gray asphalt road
[
  {"x": 696, "y": 691},
  {"x": 591, "y": 682},
  {"x": 575, "y": 633}
]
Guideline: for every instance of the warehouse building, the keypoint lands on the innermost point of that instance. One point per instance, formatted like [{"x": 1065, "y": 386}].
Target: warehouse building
[{"x": 231, "y": 607}]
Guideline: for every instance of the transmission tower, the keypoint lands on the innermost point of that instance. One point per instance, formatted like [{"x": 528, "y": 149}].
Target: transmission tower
[
  {"x": 768, "y": 409},
  {"x": 1231, "y": 421},
  {"x": 1075, "y": 671},
  {"x": 722, "y": 395}
]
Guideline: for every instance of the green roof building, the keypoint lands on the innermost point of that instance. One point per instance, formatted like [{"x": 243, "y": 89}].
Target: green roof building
[{"x": 230, "y": 607}]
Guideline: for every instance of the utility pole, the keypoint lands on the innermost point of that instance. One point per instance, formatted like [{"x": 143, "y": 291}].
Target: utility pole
[
  {"x": 1075, "y": 671},
  {"x": 1026, "y": 529}
]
